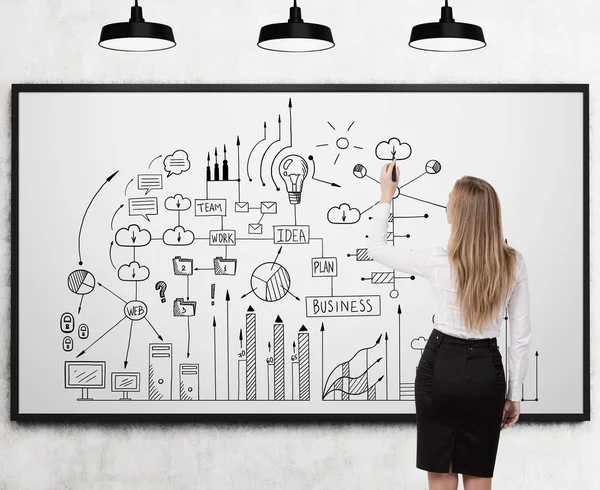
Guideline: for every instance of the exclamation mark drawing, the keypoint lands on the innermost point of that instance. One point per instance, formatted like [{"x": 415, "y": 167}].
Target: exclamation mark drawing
[{"x": 212, "y": 294}]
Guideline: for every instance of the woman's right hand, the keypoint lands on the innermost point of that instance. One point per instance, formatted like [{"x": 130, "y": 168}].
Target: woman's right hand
[{"x": 510, "y": 414}]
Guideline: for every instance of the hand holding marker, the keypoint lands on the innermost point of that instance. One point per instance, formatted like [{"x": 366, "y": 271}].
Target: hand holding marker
[{"x": 389, "y": 181}]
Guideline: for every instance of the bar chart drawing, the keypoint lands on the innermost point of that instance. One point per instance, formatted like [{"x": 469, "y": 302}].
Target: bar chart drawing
[
  {"x": 250, "y": 363},
  {"x": 277, "y": 374},
  {"x": 279, "y": 359},
  {"x": 304, "y": 364}
]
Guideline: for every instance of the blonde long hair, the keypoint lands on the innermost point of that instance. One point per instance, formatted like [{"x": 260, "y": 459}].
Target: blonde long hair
[{"x": 483, "y": 264}]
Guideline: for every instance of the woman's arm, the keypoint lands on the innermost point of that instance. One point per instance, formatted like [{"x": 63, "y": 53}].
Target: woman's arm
[
  {"x": 407, "y": 260},
  {"x": 520, "y": 332}
]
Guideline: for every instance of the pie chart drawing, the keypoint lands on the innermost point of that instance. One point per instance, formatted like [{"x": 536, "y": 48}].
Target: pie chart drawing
[
  {"x": 270, "y": 281},
  {"x": 81, "y": 282},
  {"x": 433, "y": 167}
]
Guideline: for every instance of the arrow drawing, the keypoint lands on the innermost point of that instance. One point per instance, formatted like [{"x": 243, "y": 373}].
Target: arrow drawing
[{"x": 108, "y": 179}]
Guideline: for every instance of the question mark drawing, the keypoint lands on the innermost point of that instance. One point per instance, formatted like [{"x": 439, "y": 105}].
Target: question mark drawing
[{"x": 162, "y": 287}]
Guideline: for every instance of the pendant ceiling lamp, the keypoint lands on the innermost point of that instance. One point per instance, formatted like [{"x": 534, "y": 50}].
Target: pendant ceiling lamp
[
  {"x": 137, "y": 34},
  {"x": 295, "y": 35},
  {"x": 447, "y": 34}
]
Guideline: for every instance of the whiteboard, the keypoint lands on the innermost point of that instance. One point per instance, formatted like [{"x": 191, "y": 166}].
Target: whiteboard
[{"x": 191, "y": 251}]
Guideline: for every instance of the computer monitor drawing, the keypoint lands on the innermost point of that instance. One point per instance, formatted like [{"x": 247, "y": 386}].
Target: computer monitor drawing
[
  {"x": 125, "y": 383},
  {"x": 85, "y": 376}
]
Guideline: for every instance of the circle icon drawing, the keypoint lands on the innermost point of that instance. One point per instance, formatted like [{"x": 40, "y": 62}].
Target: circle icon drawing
[
  {"x": 359, "y": 171},
  {"x": 270, "y": 281},
  {"x": 81, "y": 282},
  {"x": 342, "y": 143},
  {"x": 433, "y": 167}
]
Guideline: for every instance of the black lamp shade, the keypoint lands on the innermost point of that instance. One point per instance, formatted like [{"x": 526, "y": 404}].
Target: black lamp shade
[
  {"x": 137, "y": 34},
  {"x": 295, "y": 35},
  {"x": 447, "y": 35}
]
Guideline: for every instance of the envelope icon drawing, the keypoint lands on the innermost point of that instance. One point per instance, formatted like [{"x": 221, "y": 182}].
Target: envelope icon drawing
[
  {"x": 255, "y": 228},
  {"x": 268, "y": 207},
  {"x": 242, "y": 207}
]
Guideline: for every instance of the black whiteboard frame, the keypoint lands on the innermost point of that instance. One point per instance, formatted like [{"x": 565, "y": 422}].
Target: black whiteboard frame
[{"x": 17, "y": 89}]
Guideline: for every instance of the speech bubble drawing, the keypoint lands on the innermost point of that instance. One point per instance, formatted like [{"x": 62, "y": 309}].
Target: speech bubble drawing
[
  {"x": 176, "y": 163},
  {"x": 150, "y": 182},
  {"x": 143, "y": 206}
]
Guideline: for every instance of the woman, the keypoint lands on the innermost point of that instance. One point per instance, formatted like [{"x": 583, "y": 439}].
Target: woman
[{"x": 461, "y": 396}]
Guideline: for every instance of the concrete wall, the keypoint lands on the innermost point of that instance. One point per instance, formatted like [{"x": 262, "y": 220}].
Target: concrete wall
[{"x": 55, "y": 41}]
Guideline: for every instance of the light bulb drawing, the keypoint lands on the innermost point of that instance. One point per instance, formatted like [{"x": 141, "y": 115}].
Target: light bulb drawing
[{"x": 293, "y": 169}]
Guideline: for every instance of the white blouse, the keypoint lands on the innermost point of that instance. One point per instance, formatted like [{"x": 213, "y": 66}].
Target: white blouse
[{"x": 433, "y": 264}]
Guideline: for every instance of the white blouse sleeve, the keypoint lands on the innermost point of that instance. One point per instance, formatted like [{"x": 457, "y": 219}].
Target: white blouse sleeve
[
  {"x": 519, "y": 324},
  {"x": 409, "y": 260}
]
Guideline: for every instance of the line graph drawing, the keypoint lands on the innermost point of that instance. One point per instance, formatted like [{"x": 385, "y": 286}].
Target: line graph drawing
[{"x": 340, "y": 379}]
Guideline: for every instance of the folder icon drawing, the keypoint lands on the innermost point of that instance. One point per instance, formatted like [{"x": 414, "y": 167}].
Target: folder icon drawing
[
  {"x": 242, "y": 207},
  {"x": 268, "y": 207},
  {"x": 183, "y": 267},
  {"x": 255, "y": 228},
  {"x": 225, "y": 267},
  {"x": 184, "y": 308}
]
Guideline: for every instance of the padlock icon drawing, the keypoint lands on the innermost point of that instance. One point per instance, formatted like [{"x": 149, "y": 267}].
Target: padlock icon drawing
[
  {"x": 67, "y": 323},
  {"x": 67, "y": 344},
  {"x": 83, "y": 331}
]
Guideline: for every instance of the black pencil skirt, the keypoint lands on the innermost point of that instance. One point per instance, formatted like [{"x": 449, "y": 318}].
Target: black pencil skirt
[{"x": 460, "y": 388}]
